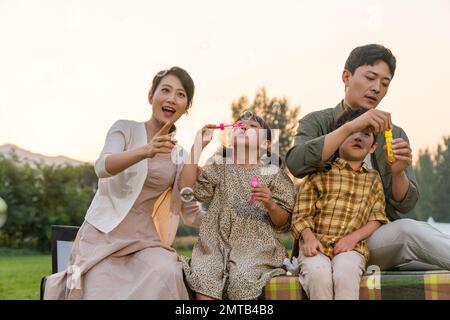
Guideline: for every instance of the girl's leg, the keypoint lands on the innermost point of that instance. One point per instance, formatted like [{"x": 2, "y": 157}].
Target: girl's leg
[{"x": 348, "y": 268}]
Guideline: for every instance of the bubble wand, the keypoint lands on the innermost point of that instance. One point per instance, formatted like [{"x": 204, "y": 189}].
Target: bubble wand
[
  {"x": 388, "y": 138},
  {"x": 222, "y": 126},
  {"x": 254, "y": 182}
]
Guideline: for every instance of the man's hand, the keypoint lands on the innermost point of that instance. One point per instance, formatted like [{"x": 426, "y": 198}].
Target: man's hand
[
  {"x": 403, "y": 155},
  {"x": 378, "y": 121}
]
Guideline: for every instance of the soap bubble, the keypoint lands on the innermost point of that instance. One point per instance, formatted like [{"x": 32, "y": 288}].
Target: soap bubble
[
  {"x": 3, "y": 210},
  {"x": 276, "y": 105},
  {"x": 187, "y": 194}
]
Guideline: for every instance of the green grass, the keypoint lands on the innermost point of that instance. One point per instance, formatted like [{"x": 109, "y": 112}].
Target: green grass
[
  {"x": 21, "y": 273},
  {"x": 20, "y": 276},
  {"x": 187, "y": 253}
]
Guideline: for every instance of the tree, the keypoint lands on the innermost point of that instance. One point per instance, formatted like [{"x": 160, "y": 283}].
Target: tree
[
  {"x": 21, "y": 190},
  {"x": 441, "y": 194},
  {"x": 424, "y": 170},
  {"x": 40, "y": 195},
  {"x": 275, "y": 111},
  {"x": 433, "y": 177}
]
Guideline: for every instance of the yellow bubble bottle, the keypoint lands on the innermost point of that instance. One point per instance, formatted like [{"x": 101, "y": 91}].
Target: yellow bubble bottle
[{"x": 389, "y": 153}]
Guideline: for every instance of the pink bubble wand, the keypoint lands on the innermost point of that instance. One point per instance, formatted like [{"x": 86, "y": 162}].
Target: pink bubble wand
[
  {"x": 254, "y": 182},
  {"x": 222, "y": 126}
]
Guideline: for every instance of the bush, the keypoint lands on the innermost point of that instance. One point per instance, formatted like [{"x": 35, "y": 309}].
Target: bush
[{"x": 40, "y": 195}]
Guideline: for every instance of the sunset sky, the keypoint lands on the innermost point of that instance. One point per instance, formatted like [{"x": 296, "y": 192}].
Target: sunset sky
[{"x": 69, "y": 69}]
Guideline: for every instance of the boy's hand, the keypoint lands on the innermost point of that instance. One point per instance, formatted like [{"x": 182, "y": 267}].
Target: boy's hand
[
  {"x": 263, "y": 194},
  {"x": 347, "y": 243},
  {"x": 310, "y": 246}
]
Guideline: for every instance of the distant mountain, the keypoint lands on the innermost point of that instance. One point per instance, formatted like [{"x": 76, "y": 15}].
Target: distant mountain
[{"x": 30, "y": 157}]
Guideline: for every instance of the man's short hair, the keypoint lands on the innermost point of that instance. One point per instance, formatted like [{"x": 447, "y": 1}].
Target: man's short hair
[{"x": 370, "y": 54}]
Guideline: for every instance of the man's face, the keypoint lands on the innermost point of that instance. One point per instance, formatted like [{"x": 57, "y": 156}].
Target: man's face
[{"x": 367, "y": 86}]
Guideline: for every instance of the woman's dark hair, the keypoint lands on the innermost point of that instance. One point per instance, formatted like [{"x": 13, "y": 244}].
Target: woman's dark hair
[
  {"x": 182, "y": 75},
  {"x": 369, "y": 55}
]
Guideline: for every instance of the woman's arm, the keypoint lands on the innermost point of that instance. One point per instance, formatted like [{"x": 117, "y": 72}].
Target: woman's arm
[
  {"x": 113, "y": 162},
  {"x": 117, "y": 162}
]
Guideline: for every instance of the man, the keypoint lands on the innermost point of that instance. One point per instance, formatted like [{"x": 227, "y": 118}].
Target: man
[{"x": 367, "y": 75}]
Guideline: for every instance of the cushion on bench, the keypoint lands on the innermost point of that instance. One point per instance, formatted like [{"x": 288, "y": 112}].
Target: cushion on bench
[{"x": 388, "y": 285}]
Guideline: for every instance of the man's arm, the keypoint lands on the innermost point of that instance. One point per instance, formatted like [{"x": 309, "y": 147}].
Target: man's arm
[
  {"x": 315, "y": 146},
  {"x": 305, "y": 156}
]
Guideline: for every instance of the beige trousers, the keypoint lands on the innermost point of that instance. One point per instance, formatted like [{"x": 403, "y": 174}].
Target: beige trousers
[
  {"x": 339, "y": 278},
  {"x": 408, "y": 244}
]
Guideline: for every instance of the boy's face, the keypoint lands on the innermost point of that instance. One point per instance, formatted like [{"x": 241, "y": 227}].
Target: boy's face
[
  {"x": 368, "y": 85},
  {"x": 357, "y": 146}
]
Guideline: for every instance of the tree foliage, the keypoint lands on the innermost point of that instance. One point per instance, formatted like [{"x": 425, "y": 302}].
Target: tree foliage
[
  {"x": 433, "y": 177},
  {"x": 41, "y": 195}
]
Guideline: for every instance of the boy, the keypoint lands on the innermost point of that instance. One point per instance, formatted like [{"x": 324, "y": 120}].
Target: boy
[{"x": 335, "y": 211}]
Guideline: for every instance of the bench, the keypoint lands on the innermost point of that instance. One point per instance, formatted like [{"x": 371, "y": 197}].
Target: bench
[
  {"x": 385, "y": 285},
  {"x": 62, "y": 238}
]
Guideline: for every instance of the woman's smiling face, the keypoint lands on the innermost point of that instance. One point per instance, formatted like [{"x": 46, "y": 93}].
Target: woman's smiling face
[{"x": 169, "y": 101}]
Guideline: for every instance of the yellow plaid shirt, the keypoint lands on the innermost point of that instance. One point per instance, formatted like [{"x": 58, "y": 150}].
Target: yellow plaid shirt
[{"x": 337, "y": 202}]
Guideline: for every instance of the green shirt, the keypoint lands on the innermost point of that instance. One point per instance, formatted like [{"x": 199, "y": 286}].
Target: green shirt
[{"x": 305, "y": 157}]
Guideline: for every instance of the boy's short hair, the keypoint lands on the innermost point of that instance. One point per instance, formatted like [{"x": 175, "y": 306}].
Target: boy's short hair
[
  {"x": 349, "y": 115},
  {"x": 369, "y": 55}
]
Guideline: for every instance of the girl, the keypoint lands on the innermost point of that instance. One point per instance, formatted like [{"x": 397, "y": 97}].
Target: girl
[
  {"x": 122, "y": 250},
  {"x": 238, "y": 250}
]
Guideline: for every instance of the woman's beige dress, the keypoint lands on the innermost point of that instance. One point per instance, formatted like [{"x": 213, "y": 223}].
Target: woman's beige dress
[{"x": 130, "y": 262}]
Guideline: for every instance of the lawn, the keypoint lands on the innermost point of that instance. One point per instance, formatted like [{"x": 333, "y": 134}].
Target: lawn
[
  {"x": 20, "y": 276},
  {"x": 21, "y": 272}
]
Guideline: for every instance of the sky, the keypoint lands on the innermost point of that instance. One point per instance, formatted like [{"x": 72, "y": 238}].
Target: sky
[{"x": 69, "y": 69}]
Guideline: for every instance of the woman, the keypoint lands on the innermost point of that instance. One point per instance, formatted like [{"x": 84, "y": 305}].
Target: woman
[{"x": 122, "y": 250}]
